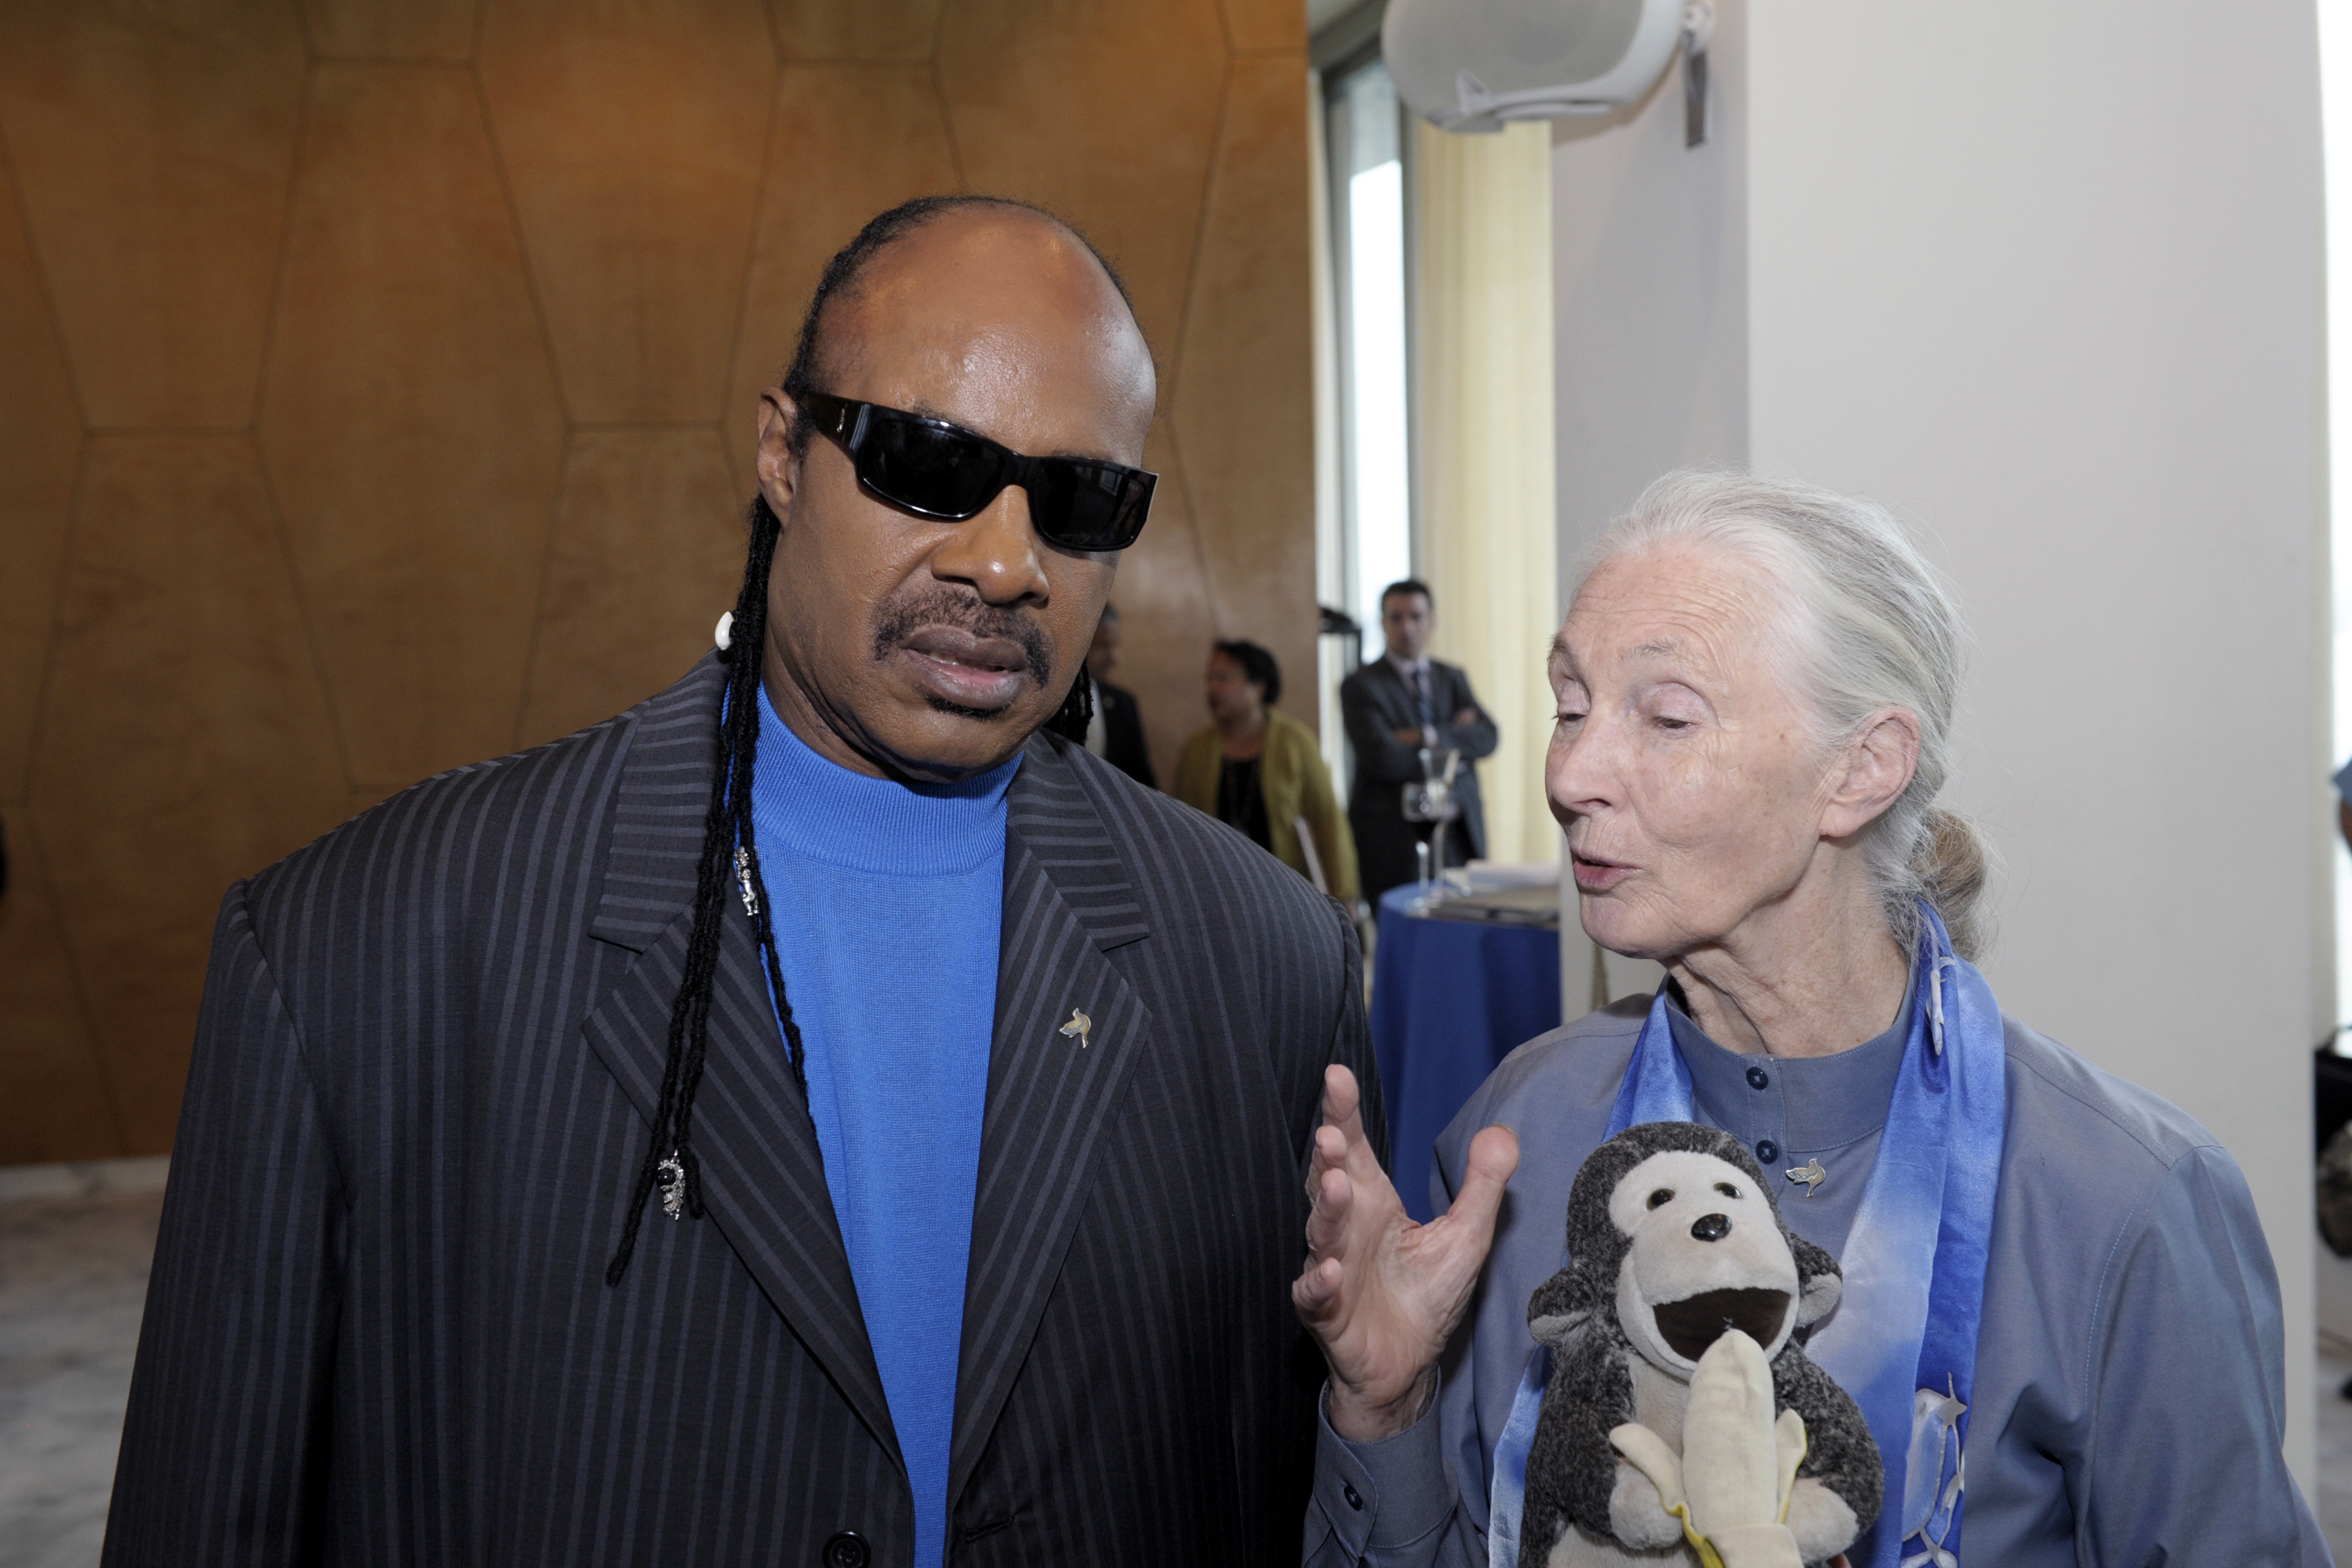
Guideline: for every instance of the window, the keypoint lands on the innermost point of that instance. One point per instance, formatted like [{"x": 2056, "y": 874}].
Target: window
[
  {"x": 1364, "y": 135},
  {"x": 2336, "y": 111}
]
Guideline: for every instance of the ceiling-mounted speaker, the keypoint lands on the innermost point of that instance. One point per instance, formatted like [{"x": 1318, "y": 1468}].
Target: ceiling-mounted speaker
[{"x": 1472, "y": 65}]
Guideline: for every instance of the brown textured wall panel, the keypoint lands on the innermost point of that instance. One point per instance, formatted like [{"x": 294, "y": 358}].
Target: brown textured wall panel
[
  {"x": 1166, "y": 615},
  {"x": 151, "y": 155},
  {"x": 648, "y": 551},
  {"x": 185, "y": 741},
  {"x": 1105, "y": 110},
  {"x": 870, "y": 30},
  {"x": 1267, "y": 24},
  {"x": 632, "y": 134},
  {"x": 54, "y": 1103},
  {"x": 850, "y": 142},
  {"x": 410, "y": 423},
  {"x": 1249, "y": 459},
  {"x": 416, "y": 561},
  {"x": 391, "y": 29},
  {"x": 38, "y": 454}
]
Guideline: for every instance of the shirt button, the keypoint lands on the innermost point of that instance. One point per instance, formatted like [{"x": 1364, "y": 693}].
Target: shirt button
[
  {"x": 1348, "y": 1491},
  {"x": 846, "y": 1549},
  {"x": 1768, "y": 1151},
  {"x": 1759, "y": 1079}
]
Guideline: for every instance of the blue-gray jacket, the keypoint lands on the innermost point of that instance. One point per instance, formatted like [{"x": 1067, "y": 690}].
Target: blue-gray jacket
[{"x": 2129, "y": 1388}]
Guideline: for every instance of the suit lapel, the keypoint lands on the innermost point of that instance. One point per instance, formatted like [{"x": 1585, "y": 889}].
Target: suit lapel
[
  {"x": 763, "y": 1175},
  {"x": 1403, "y": 706},
  {"x": 1052, "y": 1098}
]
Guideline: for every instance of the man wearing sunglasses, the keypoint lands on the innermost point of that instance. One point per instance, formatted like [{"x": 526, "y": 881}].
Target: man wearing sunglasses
[{"x": 822, "y": 1115}]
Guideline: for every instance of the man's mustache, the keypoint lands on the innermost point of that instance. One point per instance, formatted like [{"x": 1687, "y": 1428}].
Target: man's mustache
[{"x": 903, "y": 617}]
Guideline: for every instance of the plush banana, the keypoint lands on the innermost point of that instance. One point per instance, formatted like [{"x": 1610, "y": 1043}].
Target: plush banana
[{"x": 1730, "y": 1484}]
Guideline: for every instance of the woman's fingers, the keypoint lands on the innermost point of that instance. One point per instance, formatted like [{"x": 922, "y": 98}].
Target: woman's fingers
[
  {"x": 1328, "y": 1153},
  {"x": 1493, "y": 1156},
  {"x": 1343, "y": 1106},
  {"x": 1334, "y": 1197},
  {"x": 1380, "y": 1292},
  {"x": 1470, "y": 1218},
  {"x": 1315, "y": 1291},
  {"x": 1343, "y": 1103},
  {"x": 1441, "y": 1263},
  {"x": 1340, "y": 1096}
]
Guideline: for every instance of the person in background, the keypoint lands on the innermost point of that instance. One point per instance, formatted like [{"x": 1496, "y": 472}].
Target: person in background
[
  {"x": 1396, "y": 707},
  {"x": 1262, "y": 772},
  {"x": 1115, "y": 733}
]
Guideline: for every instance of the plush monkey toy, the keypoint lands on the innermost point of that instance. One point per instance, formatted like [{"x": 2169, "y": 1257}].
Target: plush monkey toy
[{"x": 1676, "y": 1251}]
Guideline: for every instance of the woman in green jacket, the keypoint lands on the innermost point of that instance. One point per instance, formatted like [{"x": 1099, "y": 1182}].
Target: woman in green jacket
[{"x": 1262, "y": 772}]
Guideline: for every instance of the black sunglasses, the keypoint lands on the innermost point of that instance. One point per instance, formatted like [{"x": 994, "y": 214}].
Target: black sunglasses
[{"x": 941, "y": 470}]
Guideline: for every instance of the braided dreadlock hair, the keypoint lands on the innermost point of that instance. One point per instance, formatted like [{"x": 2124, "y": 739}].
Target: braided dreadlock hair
[{"x": 728, "y": 841}]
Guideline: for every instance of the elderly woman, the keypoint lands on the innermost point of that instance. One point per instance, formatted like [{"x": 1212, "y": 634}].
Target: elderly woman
[{"x": 1755, "y": 687}]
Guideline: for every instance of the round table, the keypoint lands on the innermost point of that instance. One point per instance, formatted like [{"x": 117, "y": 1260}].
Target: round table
[{"x": 1451, "y": 998}]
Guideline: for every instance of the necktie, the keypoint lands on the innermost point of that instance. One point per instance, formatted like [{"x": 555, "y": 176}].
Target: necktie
[{"x": 1421, "y": 689}]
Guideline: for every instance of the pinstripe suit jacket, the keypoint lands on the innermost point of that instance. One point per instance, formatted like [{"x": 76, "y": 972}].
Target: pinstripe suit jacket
[{"x": 378, "y": 1331}]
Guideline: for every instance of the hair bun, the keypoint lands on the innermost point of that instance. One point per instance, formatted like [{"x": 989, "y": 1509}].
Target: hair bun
[{"x": 1950, "y": 866}]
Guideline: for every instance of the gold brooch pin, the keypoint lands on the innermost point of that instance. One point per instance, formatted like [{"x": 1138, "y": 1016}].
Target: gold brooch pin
[
  {"x": 1077, "y": 1026},
  {"x": 1810, "y": 1173}
]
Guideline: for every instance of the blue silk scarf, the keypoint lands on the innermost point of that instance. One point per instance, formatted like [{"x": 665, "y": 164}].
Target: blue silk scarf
[{"x": 1903, "y": 1338}]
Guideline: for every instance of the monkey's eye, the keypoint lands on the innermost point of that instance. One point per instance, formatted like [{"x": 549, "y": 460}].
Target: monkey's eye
[
  {"x": 1727, "y": 1189},
  {"x": 1662, "y": 1197}
]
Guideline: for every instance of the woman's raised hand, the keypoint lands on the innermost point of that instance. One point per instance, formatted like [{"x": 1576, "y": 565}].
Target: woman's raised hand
[{"x": 1381, "y": 1294}]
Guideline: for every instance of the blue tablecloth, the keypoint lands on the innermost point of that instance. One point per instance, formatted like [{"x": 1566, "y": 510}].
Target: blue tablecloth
[{"x": 1450, "y": 999}]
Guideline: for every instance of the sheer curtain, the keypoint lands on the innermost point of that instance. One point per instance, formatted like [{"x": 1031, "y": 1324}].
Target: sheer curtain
[
  {"x": 1331, "y": 524},
  {"x": 1483, "y": 416}
]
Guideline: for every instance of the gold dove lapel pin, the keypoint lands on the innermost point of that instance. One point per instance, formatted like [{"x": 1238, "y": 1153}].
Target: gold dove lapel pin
[{"x": 1076, "y": 1028}]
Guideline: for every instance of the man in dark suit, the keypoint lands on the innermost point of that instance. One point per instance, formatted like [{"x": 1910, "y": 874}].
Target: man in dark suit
[
  {"x": 1116, "y": 735},
  {"x": 822, "y": 1115},
  {"x": 1396, "y": 707}
]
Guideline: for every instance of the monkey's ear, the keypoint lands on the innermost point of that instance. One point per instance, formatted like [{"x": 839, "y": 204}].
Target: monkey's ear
[
  {"x": 1558, "y": 1310},
  {"x": 1819, "y": 1283}
]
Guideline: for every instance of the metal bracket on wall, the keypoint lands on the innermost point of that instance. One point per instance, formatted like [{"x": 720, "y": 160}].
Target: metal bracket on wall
[{"x": 1699, "y": 30}]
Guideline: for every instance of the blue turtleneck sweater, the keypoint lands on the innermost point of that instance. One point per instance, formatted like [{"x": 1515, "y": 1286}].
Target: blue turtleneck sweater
[{"x": 887, "y": 902}]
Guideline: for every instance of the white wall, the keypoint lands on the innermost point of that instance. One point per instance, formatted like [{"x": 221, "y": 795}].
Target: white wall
[
  {"x": 2047, "y": 280},
  {"x": 1649, "y": 329}
]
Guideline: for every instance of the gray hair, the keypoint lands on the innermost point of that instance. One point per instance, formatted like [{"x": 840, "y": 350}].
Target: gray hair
[{"x": 1871, "y": 624}]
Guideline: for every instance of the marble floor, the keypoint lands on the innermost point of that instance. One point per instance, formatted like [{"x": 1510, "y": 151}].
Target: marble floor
[{"x": 74, "y": 1245}]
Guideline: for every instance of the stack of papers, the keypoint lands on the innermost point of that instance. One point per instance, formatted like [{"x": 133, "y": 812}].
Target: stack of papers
[{"x": 1525, "y": 905}]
